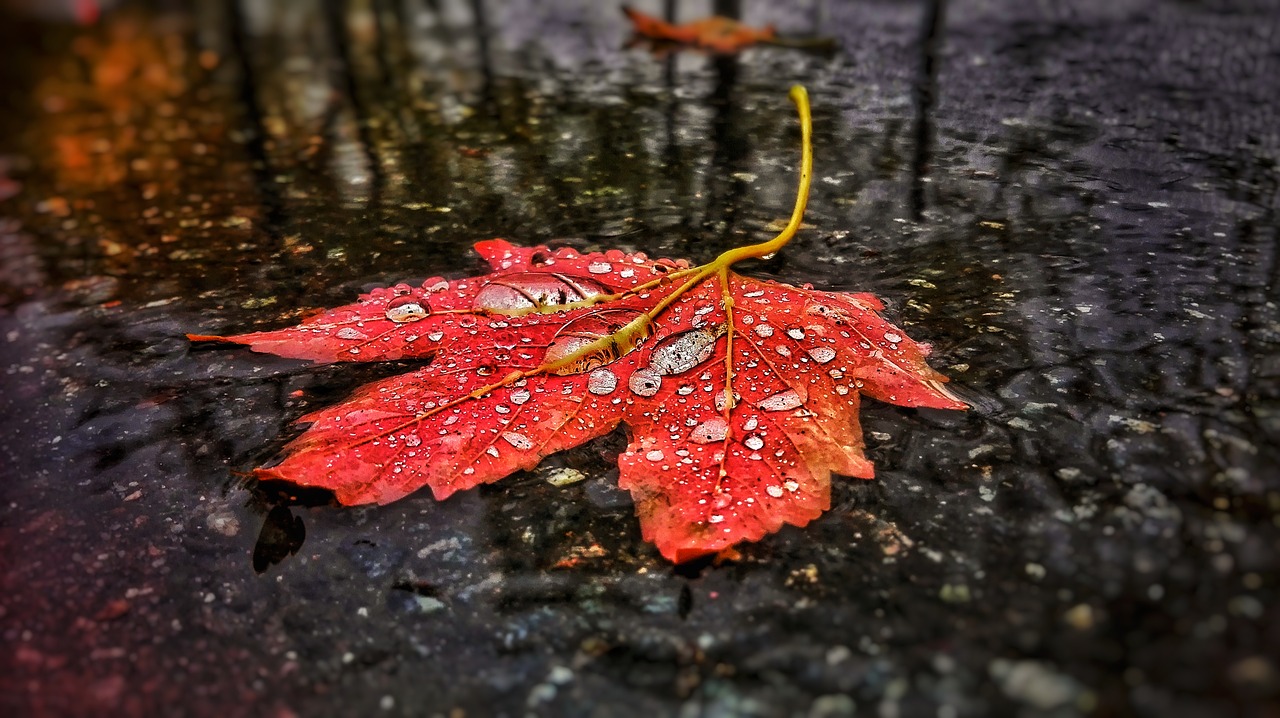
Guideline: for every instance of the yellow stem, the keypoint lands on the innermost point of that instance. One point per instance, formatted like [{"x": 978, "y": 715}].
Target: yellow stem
[
  {"x": 801, "y": 97},
  {"x": 630, "y": 335}
]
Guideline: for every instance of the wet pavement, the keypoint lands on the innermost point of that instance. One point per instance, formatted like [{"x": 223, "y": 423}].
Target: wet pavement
[{"x": 1076, "y": 205}]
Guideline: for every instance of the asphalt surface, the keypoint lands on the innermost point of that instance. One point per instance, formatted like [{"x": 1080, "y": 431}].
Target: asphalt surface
[{"x": 1076, "y": 203}]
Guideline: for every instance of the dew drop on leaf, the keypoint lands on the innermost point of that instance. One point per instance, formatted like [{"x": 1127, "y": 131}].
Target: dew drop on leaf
[
  {"x": 602, "y": 381},
  {"x": 822, "y": 355},
  {"x": 645, "y": 382},
  {"x": 532, "y": 290},
  {"x": 781, "y": 401},
  {"x": 655, "y": 455},
  {"x": 406, "y": 309},
  {"x": 520, "y": 441},
  {"x": 520, "y": 396},
  {"x": 351, "y": 333},
  {"x": 892, "y": 338},
  {"x": 681, "y": 352},
  {"x": 764, "y": 331},
  {"x": 572, "y": 340},
  {"x": 754, "y": 442},
  {"x": 710, "y": 431},
  {"x": 796, "y": 333},
  {"x": 599, "y": 267},
  {"x": 774, "y": 491}
]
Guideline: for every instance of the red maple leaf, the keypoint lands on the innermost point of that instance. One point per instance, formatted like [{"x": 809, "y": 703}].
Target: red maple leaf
[
  {"x": 741, "y": 395},
  {"x": 716, "y": 33}
]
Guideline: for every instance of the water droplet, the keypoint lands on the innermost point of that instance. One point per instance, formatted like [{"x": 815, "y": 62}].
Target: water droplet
[
  {"x": 530, "y": 290},
  {"x": 602, "y": 381},
  {"x": 892, "y": 338},
  {"x": 764, "y": 331},
  {"x": 822, "y": 355},
  {"x": 492, "y": 451},
  {"x": 720, "y": 399},
  {"x": 791, "y": 486},
  {"x": 435, "y": 336},
  {"x": 774, "y": 491},
  {"x": 710, "y": 431},
  {"x": 520, "y": 441},
  {"x": 681, "y": 352},
  {"x": 502, "y": 409},
  {"x": 754, "y": 442},
  {"x": 406, "y": 309},
  {"x": 796, "y": 333},
  {"x": 781, "y": 401},
  {"x": 655, "y": 455},
  {"x": 599, "y": 267},
  {"x": 571, "y": 342},
  {"x": 685, "y": 390},
  {"x": 645, "y": 382},
  {"x": 520, "y": 396},
  {"x": 351, "y": 333},
  {"x": 715, "y": 518},
  {"x": 412, "y": 440},
  {"x": 751, "y": 424}
]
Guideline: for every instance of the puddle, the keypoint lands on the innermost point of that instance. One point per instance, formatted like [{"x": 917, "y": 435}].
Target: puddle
[{"x": 1087, "y": 237}]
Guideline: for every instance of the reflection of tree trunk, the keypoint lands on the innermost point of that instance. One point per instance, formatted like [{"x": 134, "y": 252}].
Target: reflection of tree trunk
[
  {"x": 482, "y": 50},
  {"x": 730, "y": 144},
  {"x": 669, "y": 81},
  {"x": 730, "y": 150},
  {"x": 273, "y": 208},
  {"x": 728, "y": 8},
  {"x": 926, "y": 91},
  {"x": 335, "y": 22}
]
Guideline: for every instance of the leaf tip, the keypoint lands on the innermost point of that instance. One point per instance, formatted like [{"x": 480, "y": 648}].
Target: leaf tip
[
  {"x": 948, "y": 398},
  {"x": 493, "y": 250}
]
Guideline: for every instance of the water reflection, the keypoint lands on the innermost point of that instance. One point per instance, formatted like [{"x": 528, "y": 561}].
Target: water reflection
[{"x": 1099, "y": 273}]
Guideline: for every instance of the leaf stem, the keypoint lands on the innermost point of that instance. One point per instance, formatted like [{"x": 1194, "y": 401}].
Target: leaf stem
[
  {"x": 635, "y": 331},
  {"x": 800, "y": 97}
]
